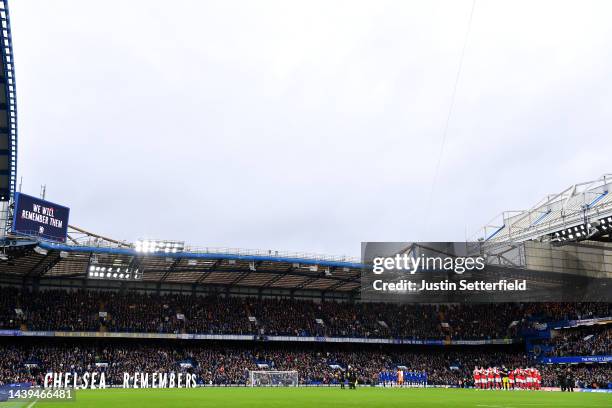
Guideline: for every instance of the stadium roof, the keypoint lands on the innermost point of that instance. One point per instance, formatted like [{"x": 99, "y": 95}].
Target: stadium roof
[
  {"x": 584, "y": 208},
  {"x": 31, "y": 258},
  {"x": 8, "y": 109}
]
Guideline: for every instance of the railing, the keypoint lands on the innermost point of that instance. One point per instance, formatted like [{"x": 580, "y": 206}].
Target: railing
[
  {"x": 272, "y": 253},
  {"x": 570, "y": 219},
  {"x": 100, "y": 243}
]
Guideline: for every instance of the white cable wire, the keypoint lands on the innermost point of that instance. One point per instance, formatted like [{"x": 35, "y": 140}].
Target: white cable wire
[{"x": 449, "y": 115}]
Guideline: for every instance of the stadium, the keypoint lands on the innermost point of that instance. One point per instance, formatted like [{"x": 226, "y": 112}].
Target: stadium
[{"x": 161, "y": 323}]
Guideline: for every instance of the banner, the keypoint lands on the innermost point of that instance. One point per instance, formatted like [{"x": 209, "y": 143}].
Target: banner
[
  {"x": 576, "y": 359},
  {"x": 249, "y": 337}
]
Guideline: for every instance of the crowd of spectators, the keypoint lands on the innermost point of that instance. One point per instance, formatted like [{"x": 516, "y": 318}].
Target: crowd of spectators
[
  {"x": 220, "y": 364},
  {"x": 555, "y": 311},
  {"x": 82, "y": 310},
  {"x": 581, "y": 341},
  {"x": 584, "y": 375}
]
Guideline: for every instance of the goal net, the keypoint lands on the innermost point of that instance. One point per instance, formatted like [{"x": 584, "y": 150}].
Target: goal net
[{"x": 273, "y": 378}]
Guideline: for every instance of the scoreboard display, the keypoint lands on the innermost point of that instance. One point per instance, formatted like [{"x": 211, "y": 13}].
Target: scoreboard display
[{"x": 40, "y": 218}]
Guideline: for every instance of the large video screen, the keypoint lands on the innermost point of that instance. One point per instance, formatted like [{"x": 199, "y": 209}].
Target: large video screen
[{"x": 36, "y": 217}]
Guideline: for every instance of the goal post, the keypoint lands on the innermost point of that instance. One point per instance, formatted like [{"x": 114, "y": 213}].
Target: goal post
[{"x": 268, "y": 378}]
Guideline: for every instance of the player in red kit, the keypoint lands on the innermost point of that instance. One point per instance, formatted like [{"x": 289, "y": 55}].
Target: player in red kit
[
  {"x": 498, "y": 379},
  {"x": 483, "y": 378},
  {"x": 517, "y": 378},
  {"x": 490, "y": 378}
]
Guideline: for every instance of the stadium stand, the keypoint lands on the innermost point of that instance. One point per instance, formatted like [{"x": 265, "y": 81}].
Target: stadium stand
[
  {"x": 80, "y": 310},
  {"x": 223, "y": 364},
  {"x": 228, "y": 362},
  {"x": 581, "y": 341}
]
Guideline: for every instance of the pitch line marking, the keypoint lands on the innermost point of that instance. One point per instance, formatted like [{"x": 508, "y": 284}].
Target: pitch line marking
[{"x": 495, "y": 406}]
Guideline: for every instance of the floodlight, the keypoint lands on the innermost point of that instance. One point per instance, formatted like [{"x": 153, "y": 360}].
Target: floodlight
[
  {"x": 151, "y": 246},
  {"x": 40, "y": 251},
  {"x": 112, "y": 272}
]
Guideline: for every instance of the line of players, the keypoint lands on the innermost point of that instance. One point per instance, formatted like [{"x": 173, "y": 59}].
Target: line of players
[
  {"x": 492, "y": 378},
  {"x": 402, "y": 377}
]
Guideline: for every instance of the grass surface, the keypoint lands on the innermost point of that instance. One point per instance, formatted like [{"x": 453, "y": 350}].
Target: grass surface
[{"x": 324, "y": 397}]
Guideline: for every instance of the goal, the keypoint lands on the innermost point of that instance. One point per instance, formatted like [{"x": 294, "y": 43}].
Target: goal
[{"x": 273, "y": 378}]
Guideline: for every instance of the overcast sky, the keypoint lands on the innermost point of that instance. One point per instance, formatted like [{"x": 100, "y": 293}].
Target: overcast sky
[{"x": 310, "y": 125}]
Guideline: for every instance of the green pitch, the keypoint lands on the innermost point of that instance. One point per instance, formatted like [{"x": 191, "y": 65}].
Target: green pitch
[{"x": 325, "y": 397}]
